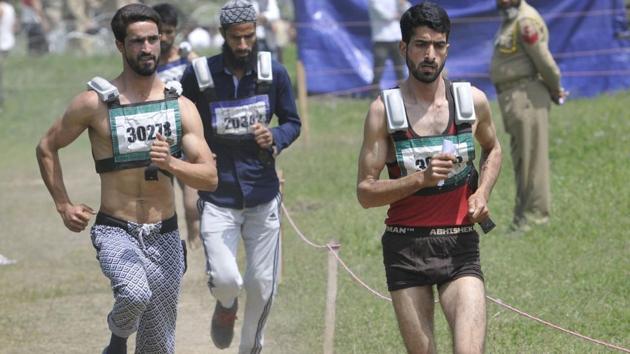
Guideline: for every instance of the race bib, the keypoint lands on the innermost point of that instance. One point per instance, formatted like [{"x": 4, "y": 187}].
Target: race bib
[
  {"x": 236, "y": 117},
  {"x": 134, "y": 128},
  {"x": 172, "y": 72},
  {"x": 415, "y": 155}
]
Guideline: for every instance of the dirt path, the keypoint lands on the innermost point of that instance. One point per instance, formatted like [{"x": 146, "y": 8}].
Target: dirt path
[{"x": 55, "y": 299}]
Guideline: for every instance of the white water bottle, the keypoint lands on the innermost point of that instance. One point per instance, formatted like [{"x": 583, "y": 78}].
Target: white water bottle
[{"x": 449, "y": 148}]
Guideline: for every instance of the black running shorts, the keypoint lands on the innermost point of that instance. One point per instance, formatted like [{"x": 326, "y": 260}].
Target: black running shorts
[{"x": 427, "y": 256}]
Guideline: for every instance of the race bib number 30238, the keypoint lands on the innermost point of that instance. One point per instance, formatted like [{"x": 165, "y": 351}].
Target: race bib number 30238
[
  {"x": 135, "y": 128},
  {"x": 237, "y": 116}
]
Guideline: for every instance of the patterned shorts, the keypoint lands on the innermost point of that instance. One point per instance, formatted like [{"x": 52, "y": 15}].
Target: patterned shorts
[{"x": 145, "y": 264}]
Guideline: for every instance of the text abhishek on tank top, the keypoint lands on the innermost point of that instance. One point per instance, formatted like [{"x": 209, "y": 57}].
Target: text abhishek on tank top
[{"x": 446, "y": 205}]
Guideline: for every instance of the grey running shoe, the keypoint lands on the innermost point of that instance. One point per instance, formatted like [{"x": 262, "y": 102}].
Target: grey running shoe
[{"x": 222, "y": 330}]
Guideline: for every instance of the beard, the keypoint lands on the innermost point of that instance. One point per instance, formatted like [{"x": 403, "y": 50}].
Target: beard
[
  {"x": 165, "y": 47},
  {"x": 509, "y": 14},
  {"x": 246, "y": 62},
  {"x": 510, "y": 11},
  {"x": 146, "y": 68},
  {"x": 421, "y": 76}
]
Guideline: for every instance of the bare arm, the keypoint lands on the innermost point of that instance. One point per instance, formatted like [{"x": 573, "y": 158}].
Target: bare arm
[
  {"x": 199, "y": 169},
  {"x": 490, "y": 161},
  {"x": 373, "y": 192},
  {"x": 63, "y": 132}
]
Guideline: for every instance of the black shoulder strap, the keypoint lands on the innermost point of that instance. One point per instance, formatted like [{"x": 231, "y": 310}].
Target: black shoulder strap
[
  {"x": 210, "y": 94},
  {"x": 172, "y": 89},
  {"x": 263, "y": 88},
  {"x": 108, "y": 165},
  {"x": 114, "y": 104},
  {"x": 170, "y": 94}
]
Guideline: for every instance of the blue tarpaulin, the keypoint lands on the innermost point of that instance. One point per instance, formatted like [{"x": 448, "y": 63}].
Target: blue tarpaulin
[{"x": 586, "y": 38}]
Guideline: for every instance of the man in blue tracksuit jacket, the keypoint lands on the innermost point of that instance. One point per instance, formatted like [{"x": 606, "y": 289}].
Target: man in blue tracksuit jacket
[{"x": 236, "y": 111}]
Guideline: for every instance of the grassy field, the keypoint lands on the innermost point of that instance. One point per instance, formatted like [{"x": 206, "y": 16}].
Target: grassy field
[{"x": 573, "y": 272}]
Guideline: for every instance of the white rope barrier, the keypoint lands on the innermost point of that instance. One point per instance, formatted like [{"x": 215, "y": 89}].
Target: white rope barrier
[
  {"x": 333, "y": 247},
  {"x": 549, "y": 324}
]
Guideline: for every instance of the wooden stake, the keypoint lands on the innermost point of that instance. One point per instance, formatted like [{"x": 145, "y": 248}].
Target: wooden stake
[
  {"x": 281, "y": 260},
  {"x": 303, "y": 100},
  {"x": 331, "y": 299}
]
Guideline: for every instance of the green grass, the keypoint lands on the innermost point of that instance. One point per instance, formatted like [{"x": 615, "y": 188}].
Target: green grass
[{"x": 573, "y": 272}]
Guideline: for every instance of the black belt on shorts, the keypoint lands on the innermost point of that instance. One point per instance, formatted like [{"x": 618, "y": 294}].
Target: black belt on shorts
[
  {"x": 168, "y": 225},
  {"x": 429, "y": 231}
]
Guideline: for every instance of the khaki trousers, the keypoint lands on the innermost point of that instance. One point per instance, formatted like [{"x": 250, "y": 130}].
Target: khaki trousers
[{"x": 525, "y": 112}]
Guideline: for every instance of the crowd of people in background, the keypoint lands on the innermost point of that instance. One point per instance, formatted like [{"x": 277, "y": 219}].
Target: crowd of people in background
[
  {"x": 8, "y": 26},
  {"x": 82, "y": 25},
  {"x": 45, "y": 23}
]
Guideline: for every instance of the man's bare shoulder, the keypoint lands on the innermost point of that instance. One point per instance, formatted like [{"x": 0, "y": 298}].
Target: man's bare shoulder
[
  {"x": 479, "y": 96},
  {"x": 482, "y": 106},
  {"x": 187, "y": 107},
  {"x": 377, "y": 107},
  {"x": 85, "y": 105},
  {"x": 189, "y": 115},
  {"x": 185, "y": 102},
  {"x": 375, "y": 121}
]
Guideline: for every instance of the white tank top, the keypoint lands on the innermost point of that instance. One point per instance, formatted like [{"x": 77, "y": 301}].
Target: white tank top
[{"x": 7, "y": 22}]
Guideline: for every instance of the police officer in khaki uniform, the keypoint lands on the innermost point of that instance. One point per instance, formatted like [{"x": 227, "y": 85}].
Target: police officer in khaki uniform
[{"x": 527, "y": 80}]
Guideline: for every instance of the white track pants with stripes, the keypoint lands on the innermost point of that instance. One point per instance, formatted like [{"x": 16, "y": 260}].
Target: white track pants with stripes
[{"x": 259, "y": 227}]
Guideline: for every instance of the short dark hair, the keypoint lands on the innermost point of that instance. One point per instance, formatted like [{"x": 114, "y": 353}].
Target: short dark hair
[
  {"x": 168, "y": 13},
  {"x": 132, "y": 13},
  {"x": 424, "y": 14}
]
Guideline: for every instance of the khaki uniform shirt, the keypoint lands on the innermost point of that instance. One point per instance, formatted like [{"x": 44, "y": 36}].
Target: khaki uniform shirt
[{"x": 521, "y": 51}]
